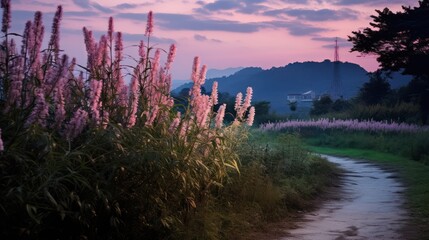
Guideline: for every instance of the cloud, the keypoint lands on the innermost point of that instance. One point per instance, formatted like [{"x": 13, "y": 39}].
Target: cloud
[
  {"x": 303, "y": 2},
  {"x": 298, "y": 28},
  {"x": 342, "y": 42},
  {"x": 202, "y": 38},
  {"x": 240, "y": 6},
  {"x": 20, "y": 17},
  {"x": 372, "y": 2},
  {"x": 40, "y": 3},
  {"x": 126, "y": 6},
  {"x": 82, "y": 3},
  {"x": 129, "y": 37},
  {"x": 222, "y": 5},
  {"x": 189, "y": 22},
  {"x": 101, "y": 8},
  {"x": 194, "y": 23},
  {"x": 315, "y": 15},
  {"x": 80, "y": 14},
  {"x": 87, "y": 4}
]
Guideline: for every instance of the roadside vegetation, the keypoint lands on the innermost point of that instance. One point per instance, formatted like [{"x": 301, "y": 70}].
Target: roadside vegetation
[
  {"x": 402, "y": 147},
  {"x": 84, "y": 155}
]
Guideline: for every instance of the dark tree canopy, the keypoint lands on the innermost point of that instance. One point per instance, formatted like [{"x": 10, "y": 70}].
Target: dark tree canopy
[
  {"x": 400, "y": 40},
  {"x": 321, "y": 106},
  {"x": 376, "y": 90}
]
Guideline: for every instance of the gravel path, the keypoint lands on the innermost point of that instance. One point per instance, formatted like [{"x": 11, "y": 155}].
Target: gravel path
[{"x": 370, "y": 206}]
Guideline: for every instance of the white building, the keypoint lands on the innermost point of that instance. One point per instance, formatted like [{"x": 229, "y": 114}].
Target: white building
[{"x": 309, "y": 96}]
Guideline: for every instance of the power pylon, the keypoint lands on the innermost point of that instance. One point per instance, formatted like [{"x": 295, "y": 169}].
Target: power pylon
[{"x": 336, "y": 91}]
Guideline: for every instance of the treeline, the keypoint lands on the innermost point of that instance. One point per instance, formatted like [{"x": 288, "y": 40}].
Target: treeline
[{"x": 376, "y": 100}]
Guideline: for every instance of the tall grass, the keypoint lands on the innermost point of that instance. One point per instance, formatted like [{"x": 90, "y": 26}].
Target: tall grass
[
  {"x": 85, "y": 156},
  {"x": 277, "y": 177}
]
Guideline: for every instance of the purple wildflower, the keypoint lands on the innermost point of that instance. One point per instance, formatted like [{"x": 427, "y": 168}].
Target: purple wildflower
[
  {"x": 170, "y": 57},
  {"x": 110, "y": 30},
  {"x": 5, "y": 4},
  {"x": 54, "y": 42},
  {"x": 134, "y": 100},
  {"x": 76, "y": 124},
  {"x": 40, "y": 110},
  {"x": 95, "y": 103},
  {"x": 149, "y": 24}
]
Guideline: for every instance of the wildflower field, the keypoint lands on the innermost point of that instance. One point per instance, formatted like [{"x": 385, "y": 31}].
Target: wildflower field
[
  {"x": 408, "y": 140},
  {"x": 84, "y": 155}
]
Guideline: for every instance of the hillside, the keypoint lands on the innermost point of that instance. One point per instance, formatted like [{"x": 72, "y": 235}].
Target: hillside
[{"x": 275, "y": 84}]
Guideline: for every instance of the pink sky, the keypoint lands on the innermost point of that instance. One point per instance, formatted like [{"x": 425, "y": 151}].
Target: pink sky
[{"x": 223, "y": 33}]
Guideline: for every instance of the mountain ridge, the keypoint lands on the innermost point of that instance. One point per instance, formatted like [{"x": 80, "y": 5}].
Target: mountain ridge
[{"x": 276, "y": 83}]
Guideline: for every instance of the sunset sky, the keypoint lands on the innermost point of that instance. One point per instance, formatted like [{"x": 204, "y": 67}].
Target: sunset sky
[{"x": 223, "y": 33}]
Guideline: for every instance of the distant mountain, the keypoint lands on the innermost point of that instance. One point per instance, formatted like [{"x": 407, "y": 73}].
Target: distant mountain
[
  {"x": 217, "y": 73},
  {"x": 275, "y": 84},
  {"x": 211, "y": 73}
]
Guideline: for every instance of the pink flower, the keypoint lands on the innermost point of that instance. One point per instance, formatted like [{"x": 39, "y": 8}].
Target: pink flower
[
  {"x": 220, "y": 116},
  {"x": 134, "y": 100},
  {"x": 149, "y": 24},
  {"x": 142, "y": 50},
  {"x": 105, "y": 119},
  {"x": 203, "y": 73},
  {"x": 76, "y": 124},
  {"x": 118, "y": 47},
  {"x": 251, "y": 116},
  {"x": 54, "y": 42},
  {"x": 195, "y": 69},
  {"x": 40, "y": 110},
  {"x": 248, "y": 98},
  {"x": 5, "y": 4},
  {"x": 170, "y": 57},
  {"x": 1, "y": 143},
  {"x": 214, "y": 95},
  {"x": 94, "y": 99},
  {"x": 60, "y": 112},
  {"x": 90, "y": 48},
  {"x": 110, "y": 30},
  {"x": 175, "y": 123},
  {"x": 201, "y": 109},
  {"x": 151, "y": 117},
  {"x": 238, "y": 100}
]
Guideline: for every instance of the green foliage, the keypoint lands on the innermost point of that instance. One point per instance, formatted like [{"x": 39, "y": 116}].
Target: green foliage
[
  {"x": 325, "y": 106},
  {"x": 410, "y": 145},
  {"x": 374, "y": 91},
  {"x": 402, "y": 112},
  {"x": 400, "y": 41},
  {"x": 321, "y": 106}
]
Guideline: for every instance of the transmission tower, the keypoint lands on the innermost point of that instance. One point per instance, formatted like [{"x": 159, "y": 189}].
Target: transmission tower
[
  {"x": 336, "y": 91},
  {"x": 336, "y": 55}
]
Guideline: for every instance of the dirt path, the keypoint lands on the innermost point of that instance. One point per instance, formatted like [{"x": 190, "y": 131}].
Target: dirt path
[{"x": 369, "y": 206}]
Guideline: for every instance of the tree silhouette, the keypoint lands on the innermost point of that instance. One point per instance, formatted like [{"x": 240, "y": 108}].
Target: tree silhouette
[
  {"x": 401, "y": 42},
  {"x": 376, "y": 90}
]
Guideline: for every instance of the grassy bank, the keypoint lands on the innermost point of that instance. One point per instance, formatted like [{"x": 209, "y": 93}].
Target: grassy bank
[
  {"x": 412, "y": 146},
  {"x": 278, "y": 177},
  {"x": 414, "y": 174}
]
